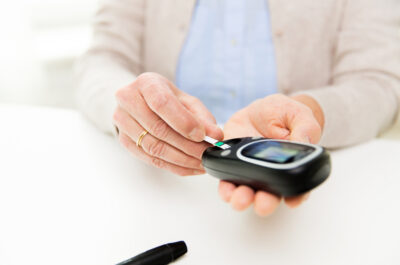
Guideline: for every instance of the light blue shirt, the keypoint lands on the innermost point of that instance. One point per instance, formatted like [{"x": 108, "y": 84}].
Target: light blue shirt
[{"x": 228, "y": 58}]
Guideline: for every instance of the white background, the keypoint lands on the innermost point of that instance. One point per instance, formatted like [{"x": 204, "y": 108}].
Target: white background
[
  {"x": 70, "y": 195},
  {"x": 44, "y": 212},
  {"x": 39, "y": 41}
]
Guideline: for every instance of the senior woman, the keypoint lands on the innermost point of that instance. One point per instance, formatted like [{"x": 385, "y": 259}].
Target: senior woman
[{"x": 165, "y": 72}]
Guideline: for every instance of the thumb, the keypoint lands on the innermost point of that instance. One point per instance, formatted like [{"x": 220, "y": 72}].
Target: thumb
[
  {"x": 276, "y": 131},
  {"x": 269, "y": 126},
  {"x": 305, "y": 129},
  {"x": 214, "y": 131}
]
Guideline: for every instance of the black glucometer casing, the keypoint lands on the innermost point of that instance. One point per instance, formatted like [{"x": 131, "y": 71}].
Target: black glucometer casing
[{"x": 297, "y": 177}]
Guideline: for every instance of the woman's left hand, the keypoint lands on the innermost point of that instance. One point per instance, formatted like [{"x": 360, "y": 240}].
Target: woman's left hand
[{"x": 277, "y": 116}]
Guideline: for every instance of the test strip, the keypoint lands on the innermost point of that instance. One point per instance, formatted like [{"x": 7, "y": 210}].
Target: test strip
[{"x": 217, "y": 143}]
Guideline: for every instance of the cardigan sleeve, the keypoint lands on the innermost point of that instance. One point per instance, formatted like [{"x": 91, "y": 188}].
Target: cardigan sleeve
[
  {"x": 363, "y": 97},
  {"x": 112, "y": 61}
]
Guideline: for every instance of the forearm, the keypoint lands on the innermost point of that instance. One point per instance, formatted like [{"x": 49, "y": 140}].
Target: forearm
[
  {"x": 356, "y": 110},
  {"x": 362, "y": 97},
  {"x": 98, "y": 78},
  {"x": 113, "y": 59}
]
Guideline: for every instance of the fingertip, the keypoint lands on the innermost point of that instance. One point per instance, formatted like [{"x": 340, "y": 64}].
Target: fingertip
[
  {"x": 265, "y": 203},
  {"x": 225, "y": 190},
  {"x": 306, "y": 132},
  {"x": 294, "y": 202},
  {"x": 214, "y": 131},
  {"x": 242, "y": 198}
]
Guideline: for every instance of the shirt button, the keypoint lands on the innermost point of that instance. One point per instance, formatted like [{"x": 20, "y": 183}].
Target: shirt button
[
  {"x": 285, "y": 88},
  {"x": 279, "y": 33},
  {"x": 233, "y": 93},
  {"x": 233, "y": 42},
  {"x": 182, "y": 27}
]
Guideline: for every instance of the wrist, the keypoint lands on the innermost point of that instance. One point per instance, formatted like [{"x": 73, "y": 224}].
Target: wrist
[{"x": 314, "y": 106}]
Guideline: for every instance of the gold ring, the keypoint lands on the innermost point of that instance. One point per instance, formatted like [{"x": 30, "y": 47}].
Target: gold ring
[{"x": 139, "y": 141}]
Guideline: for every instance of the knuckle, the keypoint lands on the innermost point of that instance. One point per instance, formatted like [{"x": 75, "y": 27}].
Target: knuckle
[
  {"x": 157, "y": 162},
  {"x": 188, "y": 125},
  {"x": 119, "y": 117},
  {"x": 191, "y": 148},
  {"x": 160, "y": 129},
  {"x": 157, "y": 99},
  {"x": 147, "y": 76},
  {"x": 142, "y": 79},
  {"x": 157, "y": 148},
  {"x": 187, "y": 161},
  {"x": 123, "y": 94},
  {"x": 191, "y": 100},
  {"x": 148, "y": 81},
  {"x": 135, "y": 103},
  {"x": 116, "y": 116},
  {"x": 119, "y": 93}
]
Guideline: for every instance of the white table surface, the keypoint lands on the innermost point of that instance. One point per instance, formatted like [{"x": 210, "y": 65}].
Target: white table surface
[{"x": 71, "y": 195}]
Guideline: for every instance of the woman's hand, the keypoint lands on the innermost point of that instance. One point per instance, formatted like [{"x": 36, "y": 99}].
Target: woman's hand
[
  {"x": 176, "y": 123},
  {"x": 280, "y": 117}
]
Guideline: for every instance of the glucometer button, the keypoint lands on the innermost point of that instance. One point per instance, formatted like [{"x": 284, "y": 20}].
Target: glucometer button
[{"x": 225, "y": 152}]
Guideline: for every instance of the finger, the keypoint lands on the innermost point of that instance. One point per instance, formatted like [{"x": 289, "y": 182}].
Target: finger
[
  {"x": 265, "y": 203},
  {"x": 127, "y": 142},
  {"x": 242, "y": 197},
  {"x": 225, "y": 190},
  {"x": 269, "y": 121},
  {"x": 153, "y": 146},
  {"x": 195, "y": 106},
  {"x": 275, "y": 130},
  {"x": 240, "y": 126},
  {"x": 133, "y": 102},
  {"x": 285, "y": 118},
  {"x": 305, "y": 128},
  {"x": 294, "y": 202},
  {"x": 162, "y": 101}
]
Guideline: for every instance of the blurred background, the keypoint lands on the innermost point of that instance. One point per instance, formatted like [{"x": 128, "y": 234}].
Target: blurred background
[{"x": 38, "y": 51}]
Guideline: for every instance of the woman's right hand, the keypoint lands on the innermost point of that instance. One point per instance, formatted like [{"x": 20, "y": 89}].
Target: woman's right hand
[{"x": 176, "y": 123}]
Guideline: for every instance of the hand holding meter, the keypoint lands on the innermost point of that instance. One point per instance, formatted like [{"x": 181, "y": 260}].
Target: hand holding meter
[{"x": 280, "y": 167}]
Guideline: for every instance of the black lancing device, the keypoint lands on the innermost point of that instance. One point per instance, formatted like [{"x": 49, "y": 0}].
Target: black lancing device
[{"x": 160, "y": 255}]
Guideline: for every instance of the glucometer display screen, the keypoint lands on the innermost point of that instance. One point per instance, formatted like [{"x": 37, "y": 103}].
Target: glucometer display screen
[{"x": 276, "y": 152}]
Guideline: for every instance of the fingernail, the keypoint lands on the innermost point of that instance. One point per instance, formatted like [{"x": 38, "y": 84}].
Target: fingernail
[
  {"x": 217, "y": 127},
  {"x": 306, "y": 140},
  {"x": 196, "y": 135}
]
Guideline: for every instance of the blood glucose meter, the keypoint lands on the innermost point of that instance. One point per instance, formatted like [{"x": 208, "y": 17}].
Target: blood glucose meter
[{"x": 281, "y": 167}]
